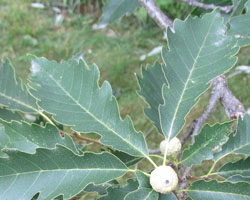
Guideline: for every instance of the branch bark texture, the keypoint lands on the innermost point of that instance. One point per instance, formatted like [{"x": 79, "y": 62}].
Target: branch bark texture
[
  {"x": 156, "y": 14},
  {"x": 225, "y": 9}
]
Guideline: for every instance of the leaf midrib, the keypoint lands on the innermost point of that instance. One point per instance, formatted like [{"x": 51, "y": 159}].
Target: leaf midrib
[
  {"x": 233, "y": 171},
  {"x": 92, "y": 115},
  {"x": 233, "y": 194},
  {"x": 64, "y": 170},
  {"x": 234, "y": 151},
  {"x": 185, "y": 86},
  {"x": 19, "y": 102}
]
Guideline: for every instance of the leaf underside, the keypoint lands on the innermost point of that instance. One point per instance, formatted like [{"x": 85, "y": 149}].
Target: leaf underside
[
  {"x": 54, "y": 172},
  {"x": 70, "y": 91},
  {"x": 199, "y": 50}
]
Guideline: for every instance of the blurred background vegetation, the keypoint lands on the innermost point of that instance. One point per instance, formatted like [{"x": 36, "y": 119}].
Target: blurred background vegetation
[{"x": 61, "y": 29}]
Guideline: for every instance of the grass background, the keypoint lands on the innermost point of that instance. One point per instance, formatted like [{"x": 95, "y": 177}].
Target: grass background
[{"x": 115, "y": 49}]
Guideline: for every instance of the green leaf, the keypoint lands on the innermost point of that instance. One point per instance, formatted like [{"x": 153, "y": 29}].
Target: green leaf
[
  {"x": 241, "y": 168},
  {"x": 238, "y": 178},
  {"x": 70, "y": 92},
  {"x": 170, "y": 196},
  {"x": 143, "y": 194},
  {"x": 119, "y": 192},
  {"x": 151, "y": 83},
  {"x": 238, "y": 143},
  {"x": 209, "y": 140},
  {"x": 214, "y": 190},
  {"x": 100, "y": 189},
  {"x": 145, "y": 191},
  {"x": 27, "y": 138},
  {"x": 198, "y": 51},
  {"x": 239, "y": 27},
  {"x": 54, "y": 172},
  {"x": 127, "y": 159},
  {"x": 116, "y": 9},
  {"x": 8, "y": 115},
  {"x": 238, "y": 7},
  {"x": 13, "y": 94},
  {"x": 143, "y": 179},
  {"x": 4, "y": 140}
]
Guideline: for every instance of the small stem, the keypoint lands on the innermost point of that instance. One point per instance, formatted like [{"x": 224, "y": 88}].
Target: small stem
[
  {"x": 211, "y": 169},
  {"x": 165, "y": 153},
  {"x": 45, "y": 117},
  {"x": 76, "y": 135},
  {"x": 157, "y": 156},
  {"x": 146, "y": 173},
  {"x": 132, "y": 170},
  {"x": 154, "y": 151},
  {"x": 151, "y": 161},
  {"x": 199, "y": 178}
]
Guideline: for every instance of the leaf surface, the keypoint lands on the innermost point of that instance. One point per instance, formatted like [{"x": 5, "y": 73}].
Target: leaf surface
[
  {"x": 28, "y": 138},
  {"x": 151, "y": 83},
  {"x": 116, "y": 9},
  {"x": 239, "y": 27},
  {"x": 209, "y": 140},
  {"x": 70, "y": 92},
  {"x": 127, "y": 159},
  {"x": 101, "y": 189},
  {"x": 238, "y": 7},
  {"x": 143, "y": 194},
  {"x": 4, "y": 140},
  {"x": 8, "y": 115},
  {"x": 119, "y": 192},
  {"x": 199, "y": 50},
  {"x": 144, "y": 191},
  {"x": 54, "y": 172},
  {"x": 170, "y": 196},
  {"x": 240, "y": 168},
  {"x": 238, "y": 143},
  {"x": 214, "y": 190},
  {"x": 13, "y": 94},
  {"x": 238, "y": 178}
]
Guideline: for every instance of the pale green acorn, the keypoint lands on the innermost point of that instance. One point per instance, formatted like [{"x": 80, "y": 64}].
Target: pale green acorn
[
  {"x": 163, "y": 179},
  {"x": 174, "y": 146}
]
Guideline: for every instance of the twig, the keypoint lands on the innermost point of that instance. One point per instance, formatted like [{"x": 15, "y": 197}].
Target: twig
[
  {"x": 220, "y": 91},
  {"x": 225, "y": 9},
  {"x": 154, "y": 151},
  {"x": 149, "y": 131},
  {"x": 76, "y": 135},
  {"x": 198, "y": 178},
  {"x": 233, "y": 107},
  {"x": 156, "y": 14},
  {"x": 183, "y": 180}
]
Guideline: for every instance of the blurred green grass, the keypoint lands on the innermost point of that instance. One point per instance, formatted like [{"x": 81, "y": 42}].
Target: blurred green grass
[{"x": 116, "y": 50}]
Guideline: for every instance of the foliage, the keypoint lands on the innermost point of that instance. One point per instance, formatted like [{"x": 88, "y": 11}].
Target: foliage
[{"x": 45, "y": 162}]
